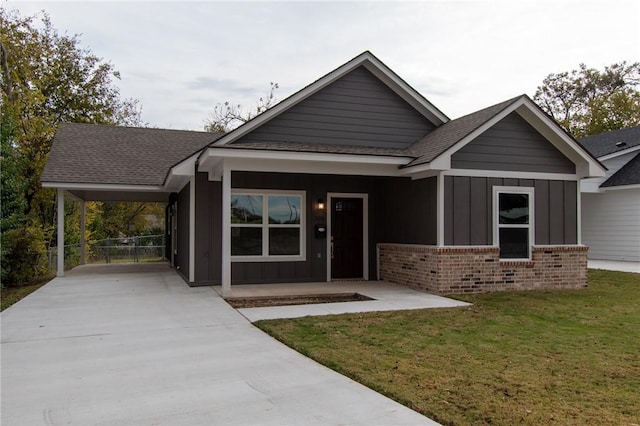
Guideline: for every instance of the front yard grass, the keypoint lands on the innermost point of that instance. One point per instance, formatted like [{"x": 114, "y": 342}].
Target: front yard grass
[{"x": 562, "y": 357}]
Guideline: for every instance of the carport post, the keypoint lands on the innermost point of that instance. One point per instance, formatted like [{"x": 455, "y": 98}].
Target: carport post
[
  {"x": 83, "y": 213},
  {"x": 60, "y": 232},
  {"x": 226, "y": 232}
]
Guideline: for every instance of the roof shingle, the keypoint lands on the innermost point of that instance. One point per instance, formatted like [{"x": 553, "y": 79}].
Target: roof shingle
[
  {"x": 629, "y": 174},
  {"x": 610, "y": 142},
  {"x": 99, "y": 154}
]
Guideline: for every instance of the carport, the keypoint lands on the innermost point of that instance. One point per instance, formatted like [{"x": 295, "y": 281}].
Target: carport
[{"x": 109, "y": 163}]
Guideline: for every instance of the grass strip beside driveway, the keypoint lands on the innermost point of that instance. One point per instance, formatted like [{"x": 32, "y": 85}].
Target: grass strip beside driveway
[{"x": 553, "y": 357}]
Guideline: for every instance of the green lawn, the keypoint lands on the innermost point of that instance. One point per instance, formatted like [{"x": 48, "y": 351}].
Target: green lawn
[{"x": 565, "y": 357}]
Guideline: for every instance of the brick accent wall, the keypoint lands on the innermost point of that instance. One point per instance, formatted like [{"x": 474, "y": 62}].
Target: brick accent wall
[{"x": 477, "y": 269}]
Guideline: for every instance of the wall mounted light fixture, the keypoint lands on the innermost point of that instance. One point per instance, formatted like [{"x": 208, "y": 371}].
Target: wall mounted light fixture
[{"x": 320, "y": 204}]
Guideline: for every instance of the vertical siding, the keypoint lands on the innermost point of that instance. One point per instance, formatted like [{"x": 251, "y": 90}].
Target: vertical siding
[
  {"x": 406, "y": 211},
  {"x": 468, "y": 209},
  {"x": 357, "y": 109},
  {"x": 182, "y": 254},
  {"x": 512, "y": 144},
  {"x": 208, "y": 247},
  {"x": 611, "y": 224}
]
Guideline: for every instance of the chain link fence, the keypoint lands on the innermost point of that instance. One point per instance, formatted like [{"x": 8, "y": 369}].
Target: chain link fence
[{"x": 148, "y": 248}]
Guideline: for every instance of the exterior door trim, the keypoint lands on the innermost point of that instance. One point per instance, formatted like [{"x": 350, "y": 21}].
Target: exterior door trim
[{"x": 365, "y": 230}]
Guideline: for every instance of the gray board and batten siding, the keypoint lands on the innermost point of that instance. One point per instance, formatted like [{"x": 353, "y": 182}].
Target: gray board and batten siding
[
  {"x": 357, "y": 109},
  {"x": 512, "y": 144},
  {"x": 181, "y": 260},
  {"x": 401, "y": 210},
  {"x": 468, "y": 210}
]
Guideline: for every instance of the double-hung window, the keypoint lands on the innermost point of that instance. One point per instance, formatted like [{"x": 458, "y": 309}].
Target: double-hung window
[
  {"x": 513, "y": 231},
  {"x": 267, "y": 225}
]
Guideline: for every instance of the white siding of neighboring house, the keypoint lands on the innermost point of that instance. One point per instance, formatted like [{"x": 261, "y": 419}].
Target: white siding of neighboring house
[{"x": 611, "y": 224}]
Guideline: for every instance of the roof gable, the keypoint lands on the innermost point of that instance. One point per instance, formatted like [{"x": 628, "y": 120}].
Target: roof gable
[
  {"x": 371, "y": 64},
  {"x": 512, "y": 144},
  {"x": 357, "y": 109},
  {"x": 99, "y": 154},
  {"x": 629, "y": 174},
  {"x": 449, "y": 134},
  {"x": 435, "y": 151}
]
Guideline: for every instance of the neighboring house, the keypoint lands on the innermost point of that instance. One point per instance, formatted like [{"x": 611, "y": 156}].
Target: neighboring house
[
  {"x": 356, "y": 176},
  {"x": 611, "y": 203}
]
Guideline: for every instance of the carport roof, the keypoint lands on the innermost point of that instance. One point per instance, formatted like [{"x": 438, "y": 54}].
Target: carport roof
[{"x": 112, "y": 155}]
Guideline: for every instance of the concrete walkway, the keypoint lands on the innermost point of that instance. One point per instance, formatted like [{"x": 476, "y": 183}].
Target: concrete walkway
[
  {"x": 386, "y": 297},
  {"x": 135, "y": 345},
  {"x": 612, "y": 265}
]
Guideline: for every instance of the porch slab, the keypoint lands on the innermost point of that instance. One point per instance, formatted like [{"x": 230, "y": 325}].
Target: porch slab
[{"x": 387, "y": 297}]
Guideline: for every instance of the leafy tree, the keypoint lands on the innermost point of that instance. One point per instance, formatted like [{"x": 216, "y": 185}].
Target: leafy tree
[
  {"x": 116, "y": 218},
  {"x": 587, "y": 101},
  {"x": 227, "y": 116},
  {"x": 46, "y": 79}
]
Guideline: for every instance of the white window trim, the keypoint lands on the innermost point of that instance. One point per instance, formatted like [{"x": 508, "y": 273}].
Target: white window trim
[
  {"x": 497, "y": 190},
  {"x": 265, "y": 257}
]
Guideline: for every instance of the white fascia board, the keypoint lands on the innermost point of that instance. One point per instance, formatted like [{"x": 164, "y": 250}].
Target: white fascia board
[
  {"x": 510, "y": 174},
  {"x": 313, "y": 167},
  {"x": 620, "y": 187},
  {"x": 301, "y": 156},
  {"x": 437, "y": 165},
  {"x": 406, "y": 92},
  {"x": 372, "y": 64},
  {"x": 586, "y": 166},
  {"x": 619, "y": 153},
  {"x": 103, "y": 187},
  {"x": 181, "y": 173},
  {"x": 185, "y": 167}
]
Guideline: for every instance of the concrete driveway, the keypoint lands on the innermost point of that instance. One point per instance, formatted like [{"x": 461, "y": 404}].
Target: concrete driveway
[{"x": 134, "y": 344}]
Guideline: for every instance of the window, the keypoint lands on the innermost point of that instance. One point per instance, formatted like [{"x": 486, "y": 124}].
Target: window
[
  {"x": 267, "y": 225},
  {"x": 514, "y": 221}
]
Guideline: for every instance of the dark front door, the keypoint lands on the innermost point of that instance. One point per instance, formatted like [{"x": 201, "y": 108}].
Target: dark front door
[{"x": 346, "y": 238}]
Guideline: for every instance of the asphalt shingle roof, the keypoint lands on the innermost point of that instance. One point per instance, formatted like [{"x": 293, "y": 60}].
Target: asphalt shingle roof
[
  {"x": 629, "y": 174},
  {"x": 99, "y": 154},
  {"x": 610, "y": 142}
]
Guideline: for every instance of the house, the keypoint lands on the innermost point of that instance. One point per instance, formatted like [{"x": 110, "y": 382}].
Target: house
[
  {"x": 611, "y": 203},
  {"x": 356, "y": 176}
]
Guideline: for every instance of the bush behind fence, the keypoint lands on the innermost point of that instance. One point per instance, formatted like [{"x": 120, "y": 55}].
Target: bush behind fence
[{"x": 148, "y": 248}]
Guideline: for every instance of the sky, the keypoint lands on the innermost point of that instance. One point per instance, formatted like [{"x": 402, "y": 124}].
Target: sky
[{"x": 181, "y": 59}]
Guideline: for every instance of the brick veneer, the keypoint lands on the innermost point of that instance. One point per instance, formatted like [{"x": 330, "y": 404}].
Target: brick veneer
[{"x": 457, "y": 269}]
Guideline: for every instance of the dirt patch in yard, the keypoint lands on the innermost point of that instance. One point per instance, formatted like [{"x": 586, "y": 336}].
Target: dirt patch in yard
[{"x": 307, "y": 299}]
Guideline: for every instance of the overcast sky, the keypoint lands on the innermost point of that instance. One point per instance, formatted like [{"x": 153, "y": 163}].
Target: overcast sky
[{"x": 181, "y": 59}]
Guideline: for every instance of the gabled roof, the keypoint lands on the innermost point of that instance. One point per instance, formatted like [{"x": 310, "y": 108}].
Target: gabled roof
[
  {"x": 612, "y": 142},
  {"x": 629, "y": 174},
  {"x": 365, "y": 59},
  {"x": 99, "y": 154},
  {"x": 452, "y": 132}
]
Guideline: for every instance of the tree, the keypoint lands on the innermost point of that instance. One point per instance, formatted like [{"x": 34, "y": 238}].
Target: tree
[
  {"x": 227, "y": 117},
  {"x": 46, "y": 79},
  {"x": 588, "y": 102}
]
